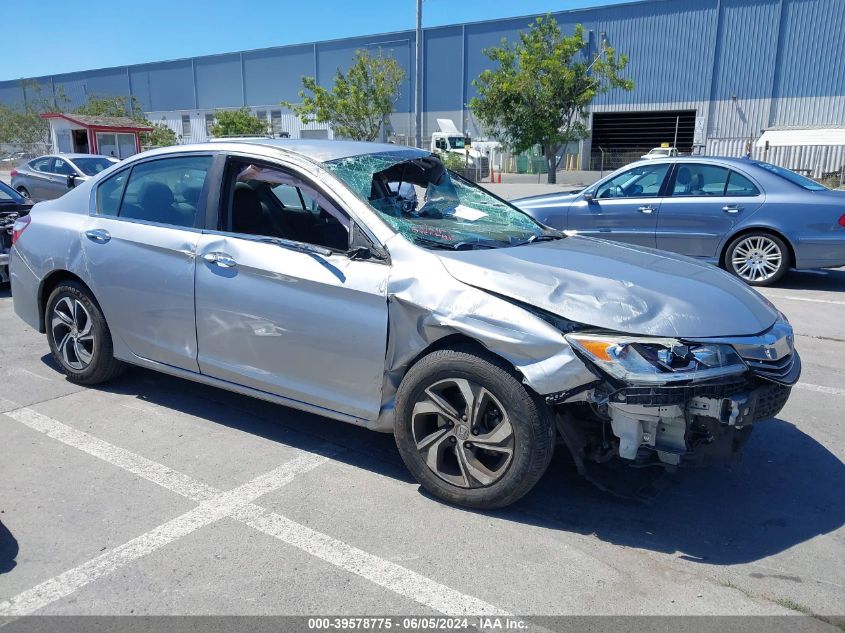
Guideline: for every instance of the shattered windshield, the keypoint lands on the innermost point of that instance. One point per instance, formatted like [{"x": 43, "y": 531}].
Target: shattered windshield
[{"x": 427, "y": 204}]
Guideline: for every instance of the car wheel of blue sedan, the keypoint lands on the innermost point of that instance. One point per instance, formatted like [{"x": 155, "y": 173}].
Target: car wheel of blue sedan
[{"x": 759, "y": 259}]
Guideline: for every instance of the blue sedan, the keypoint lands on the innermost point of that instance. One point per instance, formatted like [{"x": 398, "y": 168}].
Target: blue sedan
[{"x": 754, "y": 219}]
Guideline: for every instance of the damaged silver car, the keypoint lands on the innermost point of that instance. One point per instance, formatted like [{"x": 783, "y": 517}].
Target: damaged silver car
[{"x": 368, "y": 284}]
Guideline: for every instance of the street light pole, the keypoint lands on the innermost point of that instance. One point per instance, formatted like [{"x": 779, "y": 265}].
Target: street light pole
[{"x": 418, "y": 80}]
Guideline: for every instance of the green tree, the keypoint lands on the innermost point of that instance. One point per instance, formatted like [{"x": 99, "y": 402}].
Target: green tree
[
  {"x": 539, "y": 93},
  {"x": 360, "y": 101},
  {"x": 23, "y": 124},
  {"x": 161, "y": 136},
  {"x": 113, "y": 106},
  {"x": 237, "y": 123}
]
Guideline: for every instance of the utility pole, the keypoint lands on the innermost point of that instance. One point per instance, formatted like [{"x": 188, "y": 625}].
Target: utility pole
[{"x": 418, "y": 80}]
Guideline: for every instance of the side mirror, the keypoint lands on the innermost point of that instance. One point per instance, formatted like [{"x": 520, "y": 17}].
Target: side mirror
[
  {"x": 588, "y": 196},
  {"x": 360, "y": 246},
  {"x": 71, "y": 181}
]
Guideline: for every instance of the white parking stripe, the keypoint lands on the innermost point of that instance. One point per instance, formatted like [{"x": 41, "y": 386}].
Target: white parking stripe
[
  {"x": 215, "y": 505},
  {"x": 807, "y": 299},
  {"x": 820, "y": 389},
  {"x": 208, "y": 512},
  {"x": 382, "y": 572},
  {"x": 135, "y": 464}
]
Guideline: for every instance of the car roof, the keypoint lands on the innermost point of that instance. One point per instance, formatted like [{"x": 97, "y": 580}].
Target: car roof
[
  {"x": 72, "y": 156},
  {"x": 740, "y": 162},
  {"x": 321, "y": 150}
]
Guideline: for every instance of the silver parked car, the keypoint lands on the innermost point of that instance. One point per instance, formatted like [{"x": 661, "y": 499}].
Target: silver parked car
[
  {"x": 48, "y": 177},
  {"x": 754, "y": 219},
  {"x": 305, "y": 273}
]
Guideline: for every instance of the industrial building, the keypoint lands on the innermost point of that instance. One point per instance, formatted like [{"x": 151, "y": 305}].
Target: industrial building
[{"x": 710, "y": 76}]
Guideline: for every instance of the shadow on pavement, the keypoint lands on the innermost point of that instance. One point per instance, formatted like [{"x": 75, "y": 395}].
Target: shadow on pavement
[
  {"x": 786, "y": 490},
  {"x": 8, "y": 550},
  {"x": 832, "y": 280}
]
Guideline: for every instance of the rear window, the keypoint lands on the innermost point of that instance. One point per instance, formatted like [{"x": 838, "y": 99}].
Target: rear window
[{"x": 791, "y": 176}]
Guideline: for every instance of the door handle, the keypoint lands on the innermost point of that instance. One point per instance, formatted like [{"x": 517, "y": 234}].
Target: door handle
[
  {"x": 731, "y": 208},
  {"x": 220, "y": 259},
  {"x": 100, "y": 236},
  {"x": 645, "y": 209}
]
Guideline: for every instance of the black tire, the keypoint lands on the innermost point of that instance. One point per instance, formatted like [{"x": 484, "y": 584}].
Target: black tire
[
  {"x": 529, "y": 418},
  {"x": 735, "y": 259},
  {"x": 23, "y": 191},
  {"x": 102, "y": 366}
]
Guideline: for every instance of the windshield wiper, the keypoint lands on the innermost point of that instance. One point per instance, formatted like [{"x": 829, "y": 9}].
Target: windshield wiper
[
  {"x": 546, "y": 237},
  {"x": 450, "y": 246}
]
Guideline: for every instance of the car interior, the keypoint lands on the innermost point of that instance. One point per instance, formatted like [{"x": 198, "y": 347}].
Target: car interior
[{"x": 270, "y": 202}]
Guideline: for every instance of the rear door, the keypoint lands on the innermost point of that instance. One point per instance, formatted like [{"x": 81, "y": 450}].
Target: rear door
[
  {"x": 38, "y": 178},
  {"x": 623, "y": 208},
  {"x": 704, "y": 202},
  {"x": 140, "y": 247}
]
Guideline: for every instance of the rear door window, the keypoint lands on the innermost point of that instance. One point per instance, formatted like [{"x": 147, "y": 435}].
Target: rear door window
[
  {"x": 165, "y": 191},
  {"x": 696, "y": 179},
  {"x": 739, "y": 185},
  {"x": 42, "y": 164},
  {"x": 63, "y": 168}
]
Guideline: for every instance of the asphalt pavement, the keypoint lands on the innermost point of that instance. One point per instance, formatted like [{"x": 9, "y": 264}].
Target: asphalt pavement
[{"x": 153, "y": 495}]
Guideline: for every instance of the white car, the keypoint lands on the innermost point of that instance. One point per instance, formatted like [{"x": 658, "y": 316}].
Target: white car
[{"x": 660, "y": 152}]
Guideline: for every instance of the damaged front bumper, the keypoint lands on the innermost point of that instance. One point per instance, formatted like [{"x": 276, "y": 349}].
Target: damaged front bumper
[{"x": 624, "y": 438}]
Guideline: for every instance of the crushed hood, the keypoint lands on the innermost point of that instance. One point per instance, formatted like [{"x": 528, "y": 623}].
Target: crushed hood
[{"x": 629, "y": 289}]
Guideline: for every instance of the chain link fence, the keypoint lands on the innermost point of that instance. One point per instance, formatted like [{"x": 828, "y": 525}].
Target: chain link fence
[{"x": 14, "y": 154}]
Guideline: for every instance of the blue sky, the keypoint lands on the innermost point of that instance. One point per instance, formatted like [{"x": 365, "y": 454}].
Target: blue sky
[{"x": 58, "y": 38}]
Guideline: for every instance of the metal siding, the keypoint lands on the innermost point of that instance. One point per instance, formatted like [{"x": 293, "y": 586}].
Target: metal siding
[
  {"x": 77, "y": 87},
  {"x": 219, "y": 81},
  {"x": 11, "y": 94},
  {"x": 810, "y": 84},
  {"x": 274, "y": 75},
  {"x": 164, "y": 85},
  {"x": 744, "y": 68}
]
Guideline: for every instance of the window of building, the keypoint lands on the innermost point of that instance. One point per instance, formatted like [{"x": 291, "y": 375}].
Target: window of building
[
  {"x": 261, "y": 114},
  {"x": 276, "y": 121},
  {"x": 272, "y": 202},
  {"x": 186, "y": 126},
  {"x": 167, "y": 191},
  {"x": 209, "y": 123}
]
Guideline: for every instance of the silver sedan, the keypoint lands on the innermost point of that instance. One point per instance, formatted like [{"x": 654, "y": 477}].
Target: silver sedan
[
  {"x": 754, "y": 219},
  {"x": 368, "y": 284},
  {"x": 51, "y": 176}
]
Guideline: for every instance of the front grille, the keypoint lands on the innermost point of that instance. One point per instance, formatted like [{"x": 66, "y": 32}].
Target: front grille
[
  {"x": 772, "y": 369},
  {"x": 662, "y": 396},
  {"x": 770, "y": 401}
]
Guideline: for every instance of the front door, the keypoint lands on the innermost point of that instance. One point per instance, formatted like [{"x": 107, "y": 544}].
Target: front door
[
  {"x": 704, "y": 203},
  {"x": 623, "y": 208},
  {"x": 295, "y": 317},
  {"x": 141, "y": 247}
]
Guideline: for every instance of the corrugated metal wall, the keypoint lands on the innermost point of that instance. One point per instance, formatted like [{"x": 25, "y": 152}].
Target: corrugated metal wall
[{"x": 742, "y": 65}]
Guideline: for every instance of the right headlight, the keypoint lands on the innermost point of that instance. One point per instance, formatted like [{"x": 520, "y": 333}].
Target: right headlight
[{"x": 652, "y": 360}]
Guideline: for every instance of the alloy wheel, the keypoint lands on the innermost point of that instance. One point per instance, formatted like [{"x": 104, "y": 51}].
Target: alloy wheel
[
  {"x": 757, "y": 258},
  {"x": 71, "y": 327},
  {"x": 463, "y": 433}
]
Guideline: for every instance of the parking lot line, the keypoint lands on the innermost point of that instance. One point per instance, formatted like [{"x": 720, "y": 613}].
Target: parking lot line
[
  {"x": 215, "y": 505},
  {"x": 820, "y": 389},
  {"x": 807, "y": 299}
]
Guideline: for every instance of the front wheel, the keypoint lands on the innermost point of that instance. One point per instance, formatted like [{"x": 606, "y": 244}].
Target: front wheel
[
  {"x": 759, "y": 259},
  {"x": 79, "y": 337},
  {"x": 469, "y": 431}
]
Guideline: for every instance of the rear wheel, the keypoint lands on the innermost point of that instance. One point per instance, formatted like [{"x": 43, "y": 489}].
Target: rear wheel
[
  {"x": 79, "y": 337},
  {"x": 23, "y": 191},
  {"x": 759, "y": 259},
  {"x": 469, "y": 431}
]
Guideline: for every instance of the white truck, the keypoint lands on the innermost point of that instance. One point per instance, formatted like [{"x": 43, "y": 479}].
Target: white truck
[{"x": 450, "y": 140}]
